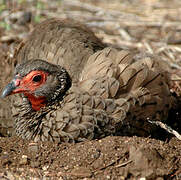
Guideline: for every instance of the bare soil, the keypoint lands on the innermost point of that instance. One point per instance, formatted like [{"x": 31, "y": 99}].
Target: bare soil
[{"x": 108, "y": 158}]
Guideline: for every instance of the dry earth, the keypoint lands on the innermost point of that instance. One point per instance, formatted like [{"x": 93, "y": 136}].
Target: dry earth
[{"x": 108, "y": 158}]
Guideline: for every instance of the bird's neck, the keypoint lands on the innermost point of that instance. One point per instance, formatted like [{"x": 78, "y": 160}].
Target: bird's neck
[
  {"x": 36, "y": 102},
  {"x": 28, "y": 121}
]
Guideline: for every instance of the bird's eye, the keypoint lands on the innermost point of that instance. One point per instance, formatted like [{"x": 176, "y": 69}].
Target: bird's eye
[{"x": 37, "y": 78}]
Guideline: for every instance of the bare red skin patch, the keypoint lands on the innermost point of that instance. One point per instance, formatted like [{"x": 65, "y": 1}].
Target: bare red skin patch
[
  {"x": 28, "y": 86},
  {"x": 36, "y": 102}
]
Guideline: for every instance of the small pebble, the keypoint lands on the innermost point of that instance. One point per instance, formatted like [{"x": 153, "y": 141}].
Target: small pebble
[
  {"x": 143, "y": 178},
  {"x": 23, "y": 160},
  {"x": 45, "y": 168},
  {"x": 81, "y": 172}
]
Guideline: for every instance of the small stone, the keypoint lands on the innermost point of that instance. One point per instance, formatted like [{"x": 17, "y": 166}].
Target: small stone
[
  {"x": 59, "y": 173},
  {"x": 81, "y": 172},
  {"x": 46, "y": 173},
  {"x": 45, "y": 168},
  {"x": 5, "y": 155},
  {"x": 98, "y": 163},
  {"x": 60, "y": 178},
  {"x": 108, "y": 177},
  {"x": 23, "y": 160},
  {"x": 142, "y": 178},
  {"x": 97, "y": 154},
  {"x": 66, "y": 168}
]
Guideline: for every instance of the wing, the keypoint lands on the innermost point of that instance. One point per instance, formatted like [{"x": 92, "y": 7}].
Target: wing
[{"x": 136, "y": 84}]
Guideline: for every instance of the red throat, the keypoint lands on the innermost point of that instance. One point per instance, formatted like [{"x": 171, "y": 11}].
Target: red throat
[{"x": 36, "y": 102}]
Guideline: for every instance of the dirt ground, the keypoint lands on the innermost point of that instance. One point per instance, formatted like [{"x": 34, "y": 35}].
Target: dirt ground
[
  {"x": 145, "y": 25},
  {"x": 108, "y": 158}
]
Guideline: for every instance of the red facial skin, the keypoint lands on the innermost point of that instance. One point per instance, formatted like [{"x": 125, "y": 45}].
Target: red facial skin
[{"x": 28, "y": 86}]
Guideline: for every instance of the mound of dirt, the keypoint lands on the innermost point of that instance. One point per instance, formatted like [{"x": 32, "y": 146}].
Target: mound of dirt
[{"x": 108, "y": 158}]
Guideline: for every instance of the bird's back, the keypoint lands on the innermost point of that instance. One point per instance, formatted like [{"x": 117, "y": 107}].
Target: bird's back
[{"x": 62, "y": 42}]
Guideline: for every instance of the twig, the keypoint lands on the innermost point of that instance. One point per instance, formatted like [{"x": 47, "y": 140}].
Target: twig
[
  {"x": 148, "y": 47},
  {"x": 110, "y": 164},
  {"x": 124, "y": 34},
  {"x": 167, "y": 128},
  {"x": 177, "y": 79},
  {"x": 123, "y": 164},
  {"x": 120, "y": 42}
]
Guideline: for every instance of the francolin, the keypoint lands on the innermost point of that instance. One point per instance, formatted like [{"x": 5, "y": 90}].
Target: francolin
[{"x": 72, "y": 87}]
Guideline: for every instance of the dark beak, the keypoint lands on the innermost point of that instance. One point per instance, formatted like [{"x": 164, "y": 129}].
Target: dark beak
[{"x": 10, "y": 87}]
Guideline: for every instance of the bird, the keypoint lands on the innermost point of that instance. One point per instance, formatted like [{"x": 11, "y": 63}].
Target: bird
[{"x": 115, "y": 92}]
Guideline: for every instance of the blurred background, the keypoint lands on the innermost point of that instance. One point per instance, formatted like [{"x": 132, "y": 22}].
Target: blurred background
[{"x": 153, "y": 25}]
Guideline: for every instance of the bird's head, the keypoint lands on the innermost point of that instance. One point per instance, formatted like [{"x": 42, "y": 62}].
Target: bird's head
[{"x": 40, "y": 81}]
